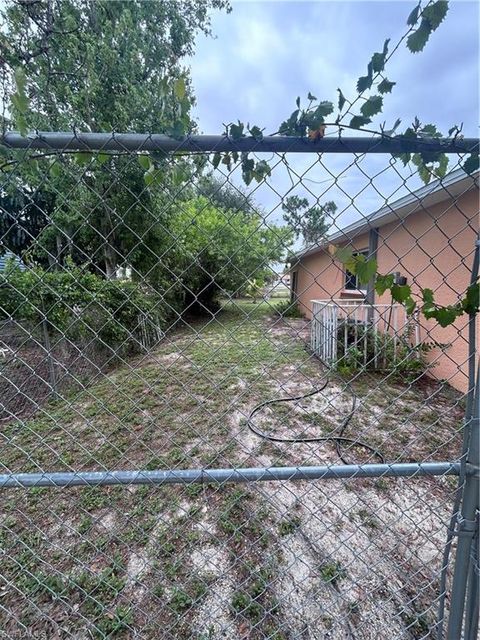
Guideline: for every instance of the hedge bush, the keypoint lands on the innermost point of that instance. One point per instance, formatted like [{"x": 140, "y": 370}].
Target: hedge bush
[{"x": 80, "y": 305}]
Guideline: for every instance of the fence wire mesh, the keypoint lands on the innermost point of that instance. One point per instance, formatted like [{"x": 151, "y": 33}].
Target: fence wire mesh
[{"x": 149, "y": 324}]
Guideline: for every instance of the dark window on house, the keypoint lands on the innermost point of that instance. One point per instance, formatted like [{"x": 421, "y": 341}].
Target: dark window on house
[
  {"x": 293, "y": 286},
  {"x": 351, "y": 282}
]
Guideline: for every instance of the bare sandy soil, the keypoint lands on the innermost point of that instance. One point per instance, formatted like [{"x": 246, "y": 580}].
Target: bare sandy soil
[{"x": 280, "y": 560}]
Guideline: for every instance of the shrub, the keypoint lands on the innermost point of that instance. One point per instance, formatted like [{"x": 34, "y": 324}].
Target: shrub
[
  {"x": 81, "y": 305},
  {"x": 367, "y": 348},
  {"x": 288, "y": 309}
]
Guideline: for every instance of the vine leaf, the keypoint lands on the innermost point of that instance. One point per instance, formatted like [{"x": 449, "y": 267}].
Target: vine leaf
[
  {"x": 372, "y": 106},
  {"x": 256, "y": 133},
  {"x": 445, "y": 316},
  {"x": 341, "y": 100},
  {"x": 83, "y": 157},
  {"x": 216, "y": 160},
  {"x": 382, "y": 283},
  {"x": 359, "y": 121},
  {"x": 413, "y": 17},
  {"x": 345, "y": 255},
  {"x": 248, "y": 167},
  {"x": 364, "y": 83},
  {"x": 365, "y": 269},
  {"x": 378, "y": 59},
  {"x": 144, "y": 162},
  {"x": 432, "y": 16},
  {"x": 471, "y": 302},
  {"x": 236, "y": 131},
  {"x": 417, "y": 40},
  {"x": 401, "y": 292},
  {"x": 435, "y": 13},
  {"x": 262, "y": 169},
  {"x": 386, "y": 86},
  {"x": 471, "y": 164}
]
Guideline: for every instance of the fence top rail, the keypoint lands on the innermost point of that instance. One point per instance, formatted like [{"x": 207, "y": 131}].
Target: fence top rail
[{"x": 119, "y": 142}]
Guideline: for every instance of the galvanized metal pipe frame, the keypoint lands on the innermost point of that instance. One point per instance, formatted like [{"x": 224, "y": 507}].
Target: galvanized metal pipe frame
[
  {"x": 70, "y": 141},
  {"x": 220, "y": 476}
]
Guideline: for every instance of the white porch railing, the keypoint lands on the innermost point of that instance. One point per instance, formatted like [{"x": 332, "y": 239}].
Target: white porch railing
[{"x": 377, "y": 332}]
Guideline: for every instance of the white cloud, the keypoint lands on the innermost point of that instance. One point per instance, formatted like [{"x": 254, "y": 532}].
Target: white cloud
[{"x": 267, "y": 53}]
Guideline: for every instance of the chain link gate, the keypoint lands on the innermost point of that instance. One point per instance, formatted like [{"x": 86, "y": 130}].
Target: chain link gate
[{"x": 177, "y": 460}]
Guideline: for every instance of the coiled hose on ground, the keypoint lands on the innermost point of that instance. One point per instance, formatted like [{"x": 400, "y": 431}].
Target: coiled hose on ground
[{"x": 339, "y": 440}]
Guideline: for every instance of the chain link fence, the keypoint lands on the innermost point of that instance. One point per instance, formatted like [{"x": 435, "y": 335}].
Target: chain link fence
[{"x": 199, "y": 442}]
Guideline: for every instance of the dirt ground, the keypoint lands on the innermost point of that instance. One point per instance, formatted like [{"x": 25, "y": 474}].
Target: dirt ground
[{"x": 279, "y": 560}]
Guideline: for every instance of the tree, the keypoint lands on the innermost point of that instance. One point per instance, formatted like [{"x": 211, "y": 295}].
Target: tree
[
  {"x": 309, "y": 222},
  {"x": 221, "y": 251},
  {"x": 224, "y": 195},
  {"x": 100, "y": 65},
  {"x": 22, "y": 218}
]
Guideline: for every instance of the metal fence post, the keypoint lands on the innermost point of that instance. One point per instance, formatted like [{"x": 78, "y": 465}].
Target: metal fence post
[
  {"x": 467, "y": 530},
  {"x": 465, "y": 580}
]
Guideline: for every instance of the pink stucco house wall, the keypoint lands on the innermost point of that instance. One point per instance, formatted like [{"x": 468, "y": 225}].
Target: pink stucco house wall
[{"x": 428, "y": 237}]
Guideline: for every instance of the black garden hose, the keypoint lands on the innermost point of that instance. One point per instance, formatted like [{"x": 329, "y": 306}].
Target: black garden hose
[{"x": 338, "y": 440}]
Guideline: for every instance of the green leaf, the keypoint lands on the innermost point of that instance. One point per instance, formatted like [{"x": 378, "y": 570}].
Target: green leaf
[
  {"x": 248, "y": 166},
  {"x": 297, "y": 102},
  {"x": 401, "y": 292},
  {"x": 152, "y": 177},
  {"x": 471, "y": 164},
  {"x": 446, "y": 316},
  {"x": 372, "y": 106},
  {"x": 179, "y": 175},
  {"x": 441, "y": 169},
  {"x": 435, "y": 13},
  {"x": 226, "y": 160},
  {"x": 471, "y": 302},
  {"x": 413, "y": 17},
  {"x": 378, "y": 62},
  {"x": 428, "y": 296},
  {"x": 102, "y": 158},
  {"x": 236, "y": 131},
  {"x": 325, "y": 108},
  {"x": 359, "y": 121},
  {"x": 386, "y": 86},
  {"x": 235, "y": 156},
  {"x": 341, "y": 100},
  {"x": 256, "y": 132},
  {"x": 382, "y": 283},
  {"x": 344, "y": 254},
  {"x": 310, "y": 97},
  {"x": 20, "y": 80},
  {"x": 144, "y": 162},
  {"x": 404, "y": 157},
  {"x": 290, "y": 126},
  {"x": 21, "y": 125},
  {"x": 179, "y": 88},
  {"x": 216, "y": 160},
  {"x": 364, "y": 83},
  {"x": 366, "y": 269},
  {"x": 410, "y": 305},
  {"x": 83, "y": 157},
  {"x": 262, "y": 169},
  {"x": 417, "y": 40},
  {"x": 20, "y": 102}
]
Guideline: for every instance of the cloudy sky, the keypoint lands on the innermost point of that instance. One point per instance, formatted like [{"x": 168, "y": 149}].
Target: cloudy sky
[{"x": 265, "y": 54}]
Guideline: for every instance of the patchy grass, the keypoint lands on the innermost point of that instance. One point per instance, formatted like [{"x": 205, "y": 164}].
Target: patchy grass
[{"x": 265, "y": 560}]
